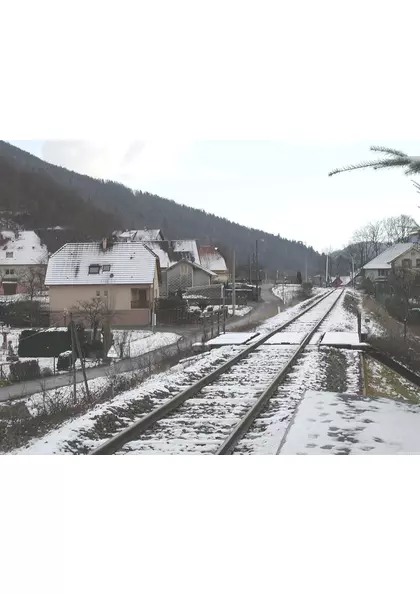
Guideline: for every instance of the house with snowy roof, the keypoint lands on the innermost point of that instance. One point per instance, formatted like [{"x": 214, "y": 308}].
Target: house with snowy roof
[
  {"x": 398, "y": 256},
  {"x": 124, "y": 275},
  {"x": 212, "y": 259},
  {"x": 210, "y": 264},
  {"x": 23, "y": 261}
]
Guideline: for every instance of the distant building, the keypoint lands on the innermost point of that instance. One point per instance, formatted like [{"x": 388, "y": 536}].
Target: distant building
[
  {"x": 125, "y": 276},
  {"x": 21, "y": 255},
  {"x": 212, "y": 259},
  {"x": 170, "y": 252},
  {"x": 185, "y": 275},
  {"x": 341, "y": 281},
  {"x": 401, "y": 255}
]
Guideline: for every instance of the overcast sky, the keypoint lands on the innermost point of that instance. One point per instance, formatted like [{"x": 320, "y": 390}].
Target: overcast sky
[
  {"x": 276, "y": 186},
  {"x": 273, "y": 94}
]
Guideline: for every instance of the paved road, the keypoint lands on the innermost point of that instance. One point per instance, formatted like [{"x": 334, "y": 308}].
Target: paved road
[{"x": 266, "y": 309}]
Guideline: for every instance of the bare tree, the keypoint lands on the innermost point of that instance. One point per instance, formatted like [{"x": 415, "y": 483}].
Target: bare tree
[
  {"x": 95, "y": 312},
  {"x": 33, "y": 278},
  {"x": 397, "y": 229},
  {"x": 361, "y": 246},
  {"x": 375, "y": 237}
]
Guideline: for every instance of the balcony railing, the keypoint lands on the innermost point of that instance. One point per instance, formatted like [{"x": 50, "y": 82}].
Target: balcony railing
[{"x": 139, "y": 305}]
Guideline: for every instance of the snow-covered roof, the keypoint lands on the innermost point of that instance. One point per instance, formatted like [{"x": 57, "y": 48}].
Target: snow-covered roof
[
  {"x": 194, "y": 265},
  {"x": 158, "y": 248},
  {"x": 148, "y": 235},
  {"x": 129, "y": 263},
  {"x": 187, "y": 246},
  {"x": 384, "y": 260},
  {"x": 23, "y": 249},
  {"x": 171, "y": 252},
  {"x": 140, "y": 235},
  {"x": 212, "y": 259}
]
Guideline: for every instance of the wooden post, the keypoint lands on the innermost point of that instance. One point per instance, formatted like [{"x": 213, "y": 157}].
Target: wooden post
[
  {"x": 218, "y": 321},
  {"x": 211, "y": 322},
  {"x": 73, "y": 355},
  {"x": 82, "y": 362}
]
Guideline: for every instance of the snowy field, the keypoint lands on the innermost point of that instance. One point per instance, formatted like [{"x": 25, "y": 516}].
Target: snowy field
[
  {"x": 137, "y": 342},
  {"x": 328, "y": 423},
  {"x": 286, "y": 292}
]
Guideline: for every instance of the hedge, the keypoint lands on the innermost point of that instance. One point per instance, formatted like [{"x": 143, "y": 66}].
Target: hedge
[
  {"x": 51, "y": 343},
  {"x": 22, "y": 371}
]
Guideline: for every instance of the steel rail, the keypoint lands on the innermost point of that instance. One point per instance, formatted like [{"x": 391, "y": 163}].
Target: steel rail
[
  {"x": 134, "y": 430},
  {"x": 245, "y": 423}
]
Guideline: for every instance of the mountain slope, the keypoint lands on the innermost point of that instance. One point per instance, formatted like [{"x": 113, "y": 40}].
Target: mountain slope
[
  {"x": 142, "y": 209},
  {"x": 33, "y": 200}
]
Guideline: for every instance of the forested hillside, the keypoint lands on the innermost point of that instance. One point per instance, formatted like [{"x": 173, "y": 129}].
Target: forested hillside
[
  {"x": 32, "y": 200},
  {"x": 141, "y": 209}
]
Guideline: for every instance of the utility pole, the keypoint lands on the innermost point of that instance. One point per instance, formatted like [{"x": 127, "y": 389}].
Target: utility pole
[
  {"x": 306, "y": 268},
  {"x": 233, "y": 282},
  {"x": 250, "y": 273},
  {"x": 257, "y": 268},
  {"x": 326, "y": 272}
]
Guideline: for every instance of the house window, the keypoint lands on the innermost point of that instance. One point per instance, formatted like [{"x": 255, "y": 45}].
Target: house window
[
  {"x": 9, "y": 254},
  {"x": 382, "y": 272},
  {"x": 105, "y": 293},
  {"x": 139, "y": 299},
  {"x": 10, "y": 271},
  {"x": 94, "y": 269},
  {"x": 406, "y": 263},
  {"x": 106, "y": 267},
  {"x": 98, "y": 293},
  {"x": 418, "y": 263}
]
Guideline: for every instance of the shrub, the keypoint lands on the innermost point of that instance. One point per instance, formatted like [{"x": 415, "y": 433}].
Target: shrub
[
  {"x": 307, "y": 289},
  {"x": 33, "y": 343},
  {"x": 22, "y": 371},
  {"x": 24, "y": 314},
  {"x": 368, "y": 286},
  {"x": 46, "y": 372},
  {"x": 64, "y": 361}
]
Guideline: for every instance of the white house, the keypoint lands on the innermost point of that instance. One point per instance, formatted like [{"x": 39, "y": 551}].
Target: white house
[
  {"x": 125, "y": 276},
  {"x": 23, "y": 261},
  {"x": 400, "y": 255}
]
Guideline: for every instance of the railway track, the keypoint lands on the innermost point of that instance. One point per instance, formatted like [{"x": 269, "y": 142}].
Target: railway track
[{"x": 214, "y": 414}]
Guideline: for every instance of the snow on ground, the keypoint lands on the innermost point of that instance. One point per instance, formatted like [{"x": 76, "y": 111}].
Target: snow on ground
[
  {"x": 138, "y": 342},
  {"x": 286, "y": 292},
  {"x": 340, "y": 319},
  {"x": 328, "y": 423},
  {"x": 308, "y": 373},
  {"x": 156, "y": 390},
  {"x": 286, "y": 315}
]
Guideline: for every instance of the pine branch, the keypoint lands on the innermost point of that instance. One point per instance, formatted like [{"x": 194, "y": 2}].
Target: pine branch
[
  {"x": 416, "y": 185},
  {"x": 352, "y": 167},
  {"x": 388, "y": 151},
  {"x": 400, "y": 162}
]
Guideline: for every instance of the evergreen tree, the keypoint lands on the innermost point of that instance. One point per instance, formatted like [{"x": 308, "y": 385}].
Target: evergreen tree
[{"x": 299, "y": 278}]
